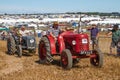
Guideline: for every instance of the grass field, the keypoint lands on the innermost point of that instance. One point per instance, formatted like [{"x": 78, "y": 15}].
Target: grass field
[{"x": 28, "y": 68}]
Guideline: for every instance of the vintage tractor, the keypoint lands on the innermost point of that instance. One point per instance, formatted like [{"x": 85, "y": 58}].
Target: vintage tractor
[
  {"x": 71, "y": 47},
  {"x": 14, "y": 45}
]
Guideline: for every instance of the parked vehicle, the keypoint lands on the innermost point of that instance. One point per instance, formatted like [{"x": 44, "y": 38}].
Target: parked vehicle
[{"x": 14, "y": 45}]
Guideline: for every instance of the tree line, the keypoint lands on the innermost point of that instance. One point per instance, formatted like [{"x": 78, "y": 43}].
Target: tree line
[{"x": 96, "y": 13}]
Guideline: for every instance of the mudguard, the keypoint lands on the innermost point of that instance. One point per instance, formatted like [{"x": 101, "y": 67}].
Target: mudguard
[
  {"x": 61, "y": 43},
  {"x": 52, "y": 44}
]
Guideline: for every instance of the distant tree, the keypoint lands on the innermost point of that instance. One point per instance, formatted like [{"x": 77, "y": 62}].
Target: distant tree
[{"x": 5, "y": 13}]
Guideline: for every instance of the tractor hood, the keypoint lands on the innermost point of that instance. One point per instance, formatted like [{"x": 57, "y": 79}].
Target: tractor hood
[
  {"x": 70, "y": 34},
  {"x": 75, "y": 41}
]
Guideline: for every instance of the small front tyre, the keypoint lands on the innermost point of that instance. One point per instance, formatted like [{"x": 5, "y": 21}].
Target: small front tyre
[
  {"x": 19, "y": 51},
  {"x": 66, "y": 59},
  {"x": 98, "y": 60}
]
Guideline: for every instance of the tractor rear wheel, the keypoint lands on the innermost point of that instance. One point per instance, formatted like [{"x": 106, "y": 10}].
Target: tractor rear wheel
[
  {"x": 66, "y": 59},
  {"x": 44, "y": 51},
  {"x": 11, "y": 46},
  {"x": 98, "y": 60}
]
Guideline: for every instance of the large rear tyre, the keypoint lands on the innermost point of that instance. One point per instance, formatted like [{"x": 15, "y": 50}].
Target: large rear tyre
[
  {"x": 98, "y": 60},
  {"x": 44, "y": 51},
  {"x": 11, "y": 46},
  {"x": 66, "y": 59}
]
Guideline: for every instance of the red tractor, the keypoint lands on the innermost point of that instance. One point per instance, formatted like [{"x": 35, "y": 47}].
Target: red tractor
[{"x": 71, "y": 47}]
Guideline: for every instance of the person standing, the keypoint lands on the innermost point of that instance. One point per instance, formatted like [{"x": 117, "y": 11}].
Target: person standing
[
  {"x": 115, "y": 39},
  {"x": 94, "y": 32},
  {"x": 3, "y": 35}
]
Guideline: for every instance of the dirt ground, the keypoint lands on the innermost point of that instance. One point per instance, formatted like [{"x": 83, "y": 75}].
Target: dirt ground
[{"x": 28, "y": 68}]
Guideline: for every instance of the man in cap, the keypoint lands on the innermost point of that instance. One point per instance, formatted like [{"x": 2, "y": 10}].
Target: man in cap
[
  {"x": 55, "y": 30},
  {"x": 94, "y": 35}
]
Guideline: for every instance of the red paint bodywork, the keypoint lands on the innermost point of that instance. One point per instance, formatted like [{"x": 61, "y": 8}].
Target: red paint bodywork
[
  {"x": 52, "y": 44},
  {"x": 61, "y": 43},
  {"x": 68, "y": 38},
  {"x": 65, "y": 41}
]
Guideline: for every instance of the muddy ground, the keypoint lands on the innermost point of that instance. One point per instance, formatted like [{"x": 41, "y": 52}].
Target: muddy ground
[{"x": 28, "y": 67}]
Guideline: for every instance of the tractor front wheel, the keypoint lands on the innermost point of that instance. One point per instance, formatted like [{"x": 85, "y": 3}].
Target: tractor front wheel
[
  {"x": 19, "y": 50},
  {"x": 98, "y": 60},
  {"x": 66, "y": 59}
]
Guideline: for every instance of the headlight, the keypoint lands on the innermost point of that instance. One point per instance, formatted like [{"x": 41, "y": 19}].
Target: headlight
[
  {"x": 73, "y": 42},
  {"x": 84, "y": 41},
  {"x": 32, "y": 41}
]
